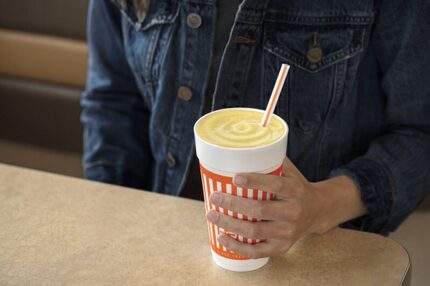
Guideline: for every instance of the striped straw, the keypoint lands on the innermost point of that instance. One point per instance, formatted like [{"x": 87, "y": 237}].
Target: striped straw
[{"x": 275, "y": 95}]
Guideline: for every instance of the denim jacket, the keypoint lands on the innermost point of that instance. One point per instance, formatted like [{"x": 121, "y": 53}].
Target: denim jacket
[{"x": 357, "y": 98}]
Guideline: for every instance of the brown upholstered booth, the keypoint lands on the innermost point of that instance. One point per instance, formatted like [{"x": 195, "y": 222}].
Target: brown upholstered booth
[{"x": 43, "y": 60}]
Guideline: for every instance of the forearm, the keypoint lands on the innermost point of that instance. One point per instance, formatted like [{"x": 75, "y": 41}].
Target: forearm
[{"x": 339, "y": 201}]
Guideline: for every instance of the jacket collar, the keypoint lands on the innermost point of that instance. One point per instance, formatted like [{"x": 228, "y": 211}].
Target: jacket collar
[{"x": 137, "y": 9}]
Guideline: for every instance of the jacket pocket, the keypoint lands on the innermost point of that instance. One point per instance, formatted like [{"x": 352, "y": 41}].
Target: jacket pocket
[
  {"x": 314, "y": 49},
  {"x": 321, "y": 58}
]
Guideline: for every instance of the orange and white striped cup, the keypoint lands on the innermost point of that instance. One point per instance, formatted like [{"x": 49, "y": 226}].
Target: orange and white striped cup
[{"x": 218, "y": 165}]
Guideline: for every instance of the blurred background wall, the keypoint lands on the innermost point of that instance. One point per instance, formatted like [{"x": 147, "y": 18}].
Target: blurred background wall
[{"x": 43, "y": 60}]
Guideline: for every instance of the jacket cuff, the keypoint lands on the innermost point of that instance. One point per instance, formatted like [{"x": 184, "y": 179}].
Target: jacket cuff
[{"x": 376, "y": 192}]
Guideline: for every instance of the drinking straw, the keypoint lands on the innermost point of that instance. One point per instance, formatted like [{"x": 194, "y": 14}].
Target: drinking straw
[{"x": 275, "y": 95}]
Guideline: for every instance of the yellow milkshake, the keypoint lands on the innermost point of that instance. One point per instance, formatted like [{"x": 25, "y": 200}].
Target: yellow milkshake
[{"x": 241, "y": 128}]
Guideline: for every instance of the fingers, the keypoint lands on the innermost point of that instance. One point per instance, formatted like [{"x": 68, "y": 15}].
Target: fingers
[
  {"x": 264, "y": 210},
  {"x": 259, "y": 250},
  {"x": 284, "y": 187},
  {"x": 284, "y": 220},
  {"x": 254, "y": 230}
]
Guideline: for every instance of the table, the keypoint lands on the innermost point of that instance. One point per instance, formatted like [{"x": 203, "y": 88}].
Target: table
[{"x": 57, "y": 230}]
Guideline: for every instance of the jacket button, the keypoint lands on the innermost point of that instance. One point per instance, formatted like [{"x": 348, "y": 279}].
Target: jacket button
[
  {"x": 314, "y": 55},
  {"x": 171, "y": 161},
  {"x": 185, "y": 93},
  {"x": 194, "y": 20}
]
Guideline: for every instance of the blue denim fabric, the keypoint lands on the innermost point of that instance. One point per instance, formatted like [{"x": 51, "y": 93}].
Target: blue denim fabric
[{"x": 362, "y": 110}]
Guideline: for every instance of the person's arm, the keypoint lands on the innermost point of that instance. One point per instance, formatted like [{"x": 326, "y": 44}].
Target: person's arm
[
  {"x": 300, "y": 208},
  {"x": 383, "y": 186},
  {"x": 115, "y": 118},
  {"x": 394, "y": 174}
]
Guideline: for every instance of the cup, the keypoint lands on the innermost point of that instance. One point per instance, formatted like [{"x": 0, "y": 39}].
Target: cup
[{"x": 218, "y": 165}]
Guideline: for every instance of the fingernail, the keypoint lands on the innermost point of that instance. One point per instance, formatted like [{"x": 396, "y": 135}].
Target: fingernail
[
  {"x": 216, "y": 198},
  {"x": 239, "y": 180},
  {"x": 212, "y": 216}
]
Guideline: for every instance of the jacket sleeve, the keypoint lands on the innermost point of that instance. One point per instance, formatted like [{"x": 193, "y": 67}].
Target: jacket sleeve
[
  {"x": 115, "y": 118},
  {"x": 393, "y": 176}
]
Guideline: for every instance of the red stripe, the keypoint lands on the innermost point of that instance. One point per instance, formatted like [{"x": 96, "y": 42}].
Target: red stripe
[
  {"x": 255, "y": 194},
  {"x": 244, "y": 192}
]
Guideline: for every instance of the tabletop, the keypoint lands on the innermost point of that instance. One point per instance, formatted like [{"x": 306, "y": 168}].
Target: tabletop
[{"x": 57, "y": 230}]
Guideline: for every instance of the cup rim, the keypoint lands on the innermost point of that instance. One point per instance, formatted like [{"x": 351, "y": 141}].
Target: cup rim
[{"x": 241, "y": 149}]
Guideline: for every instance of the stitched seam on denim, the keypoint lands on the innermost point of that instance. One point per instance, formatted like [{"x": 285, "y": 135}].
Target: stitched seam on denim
[
  {"x": 149, "y": 58},
  {"x": 390, "y": 180},
  {"x": 130, "y": 58},
  {"x": 331, "y": 59},
  {"x": 391, "y": 188},
  {"x": 125, "y": 35},
  {"x": 222, "y": 60},
  {"x": 202, "y": 105},
  {"x": 176, "y": 126},
  {"x": 189, "y": 47},
  {"x": 250, "y": 50},
  {"x": 244, "y": 55},
  {"x": 129, "y": 20},
  {"x": 126, "y": 11},
  {"x": 163, "y": 19},
  {"x": 175, "y": 104},
  {"x": 168, "y": 147},
  {"x": 319, "y": 20},
  {"x": 251, "y": 16},
  {"x": 160, "y": 19},
  {"x": 327, "y": 61},
  {"x": 321, "y": 13},
  {"x": 166, "y": 49}
]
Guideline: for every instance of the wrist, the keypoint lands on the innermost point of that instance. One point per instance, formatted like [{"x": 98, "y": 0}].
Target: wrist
[{"x": 339, "y": 201}]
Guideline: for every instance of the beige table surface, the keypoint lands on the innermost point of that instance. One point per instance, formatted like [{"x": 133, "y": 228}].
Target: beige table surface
[{"x": 56, "y": 230}]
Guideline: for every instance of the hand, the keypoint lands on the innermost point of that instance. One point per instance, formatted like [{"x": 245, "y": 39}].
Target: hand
[{"x": 300, "y": 208}]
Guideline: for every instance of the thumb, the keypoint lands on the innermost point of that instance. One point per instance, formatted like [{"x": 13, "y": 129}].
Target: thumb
[{"x": 290, "y": 170}]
